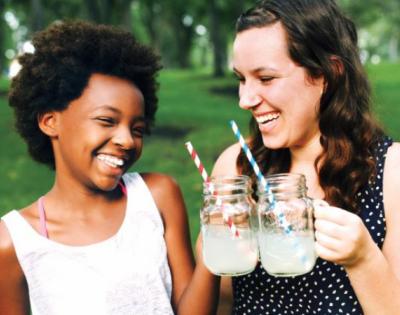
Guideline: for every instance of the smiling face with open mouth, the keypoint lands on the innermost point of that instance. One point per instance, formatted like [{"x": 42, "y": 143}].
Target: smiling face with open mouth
[
  {"x": 282, "y": 97},
  {"x": 100, "y": 134}
]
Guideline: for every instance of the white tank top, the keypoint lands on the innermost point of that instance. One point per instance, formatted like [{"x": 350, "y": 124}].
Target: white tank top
[{"x": 125, "y": 274}]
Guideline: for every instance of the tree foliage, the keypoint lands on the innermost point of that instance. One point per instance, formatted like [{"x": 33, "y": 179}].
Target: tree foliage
[{"x": 170, "y": 25}]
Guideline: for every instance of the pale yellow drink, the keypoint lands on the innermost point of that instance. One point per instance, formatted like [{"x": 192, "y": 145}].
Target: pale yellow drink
[
  {"x": 283, "y": 255},
  {"x": 226, "y": 254}
]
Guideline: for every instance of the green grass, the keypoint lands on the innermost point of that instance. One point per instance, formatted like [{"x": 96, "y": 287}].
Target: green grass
[
  {"x": 189, "y": 112},
  {"x": 385, "y": 79}
]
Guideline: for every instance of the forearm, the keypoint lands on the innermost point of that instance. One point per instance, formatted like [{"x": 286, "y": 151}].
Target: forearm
[
  {"x": 201, "y": 295},
  {"x": 376, "y": 285}
]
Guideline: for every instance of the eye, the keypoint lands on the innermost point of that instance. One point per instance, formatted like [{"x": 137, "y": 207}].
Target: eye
[
  {"x": 106, "y": 121},
  {"x": 266, "y": 79},
  {"x": 138, "y": 131}
]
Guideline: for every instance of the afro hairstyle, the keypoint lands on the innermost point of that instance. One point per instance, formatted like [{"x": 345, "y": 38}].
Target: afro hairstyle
[{"x": 66, "y": 55}]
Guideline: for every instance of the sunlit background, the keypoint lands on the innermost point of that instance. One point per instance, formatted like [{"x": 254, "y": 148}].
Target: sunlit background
[
  {"x": 197, "y": 90},
  {"x": 195, "y": 33}
]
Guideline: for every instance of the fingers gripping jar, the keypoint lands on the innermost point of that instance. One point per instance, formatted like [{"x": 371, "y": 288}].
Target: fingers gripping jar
[
  {"x": 228, "y": 218},
  {"x": 286, "y": 232}
]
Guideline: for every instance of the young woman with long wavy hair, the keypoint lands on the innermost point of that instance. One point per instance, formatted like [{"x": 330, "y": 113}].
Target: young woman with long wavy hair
[{"x": 301, "y": 78}]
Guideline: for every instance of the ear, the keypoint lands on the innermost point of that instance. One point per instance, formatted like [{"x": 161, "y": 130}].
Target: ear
[{"x": 48, "y": 123}]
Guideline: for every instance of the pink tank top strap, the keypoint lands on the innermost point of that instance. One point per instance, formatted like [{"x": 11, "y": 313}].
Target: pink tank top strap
[
  {"x": 123, "y": 187},
  {"x": 42, "y": 218}
]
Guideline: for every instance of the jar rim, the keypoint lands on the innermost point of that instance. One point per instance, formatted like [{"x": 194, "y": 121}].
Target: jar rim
[
  {"x": 228, "y": 183},
  {"x": 284, "y": 175},
  {"x": 229, "y": 177},
  {"x": 279, "y": 181}
]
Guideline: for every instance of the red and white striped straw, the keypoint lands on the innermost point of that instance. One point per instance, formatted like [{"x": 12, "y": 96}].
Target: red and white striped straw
[
  {"x": 196, "y": 160},
  {"x": 200, "y": 167}
]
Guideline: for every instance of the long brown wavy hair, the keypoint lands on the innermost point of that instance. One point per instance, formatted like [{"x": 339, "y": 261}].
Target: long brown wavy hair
[{"x": 323, "y": 41}]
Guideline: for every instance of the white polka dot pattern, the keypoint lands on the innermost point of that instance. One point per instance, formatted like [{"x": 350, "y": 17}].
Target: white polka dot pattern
[{"x": 326, "y": 289}]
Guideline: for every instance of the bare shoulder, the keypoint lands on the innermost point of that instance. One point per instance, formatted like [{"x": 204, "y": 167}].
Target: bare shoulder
[
  {"x": 13, "y": 288},
  {"x": 6, "y": 244},
  {"x": 164, "y": 189},
  {"x": 391, "y": 197},
  {"x": 391, "y": 178},
  {"x": 160, "y": 184},
  {"x": 393, "y": 153},
  {"x": 8, "y": 257},
  {"x": 226, "y": 162}
]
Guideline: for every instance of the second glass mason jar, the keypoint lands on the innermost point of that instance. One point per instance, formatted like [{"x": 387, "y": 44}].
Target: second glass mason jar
[
  {"x": 228, "y": 220},
  {"x": 286, "y": 232}
]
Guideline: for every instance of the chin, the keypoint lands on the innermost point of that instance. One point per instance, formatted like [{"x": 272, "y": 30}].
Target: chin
[
  {"x": 272, "y": 144},
  {"x": 106, "y": 185}
]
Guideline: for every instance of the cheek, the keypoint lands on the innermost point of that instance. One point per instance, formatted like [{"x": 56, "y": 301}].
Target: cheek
[{"x": 138, "y": 148}]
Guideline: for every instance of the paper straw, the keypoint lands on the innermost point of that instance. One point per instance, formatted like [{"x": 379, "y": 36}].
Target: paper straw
[
  {"x": 197, "y": 162},
  {"x": 281, "y": 217},
  {"x": 252, "y": 161},
  {"x": 200, "y": 167}
]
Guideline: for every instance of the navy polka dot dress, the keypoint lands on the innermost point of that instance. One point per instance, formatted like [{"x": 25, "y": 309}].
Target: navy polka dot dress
[{"x": 326, "y": 289}]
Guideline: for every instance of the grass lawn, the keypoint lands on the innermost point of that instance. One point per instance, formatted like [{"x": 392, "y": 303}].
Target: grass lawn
[{"x": 188, "y": 111}]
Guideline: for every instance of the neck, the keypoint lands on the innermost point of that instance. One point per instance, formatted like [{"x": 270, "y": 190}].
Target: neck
[
  {"x": 306, "y": 155},
  {"x": 303, "y": 161},
  {"x": 79, "y": 199}
]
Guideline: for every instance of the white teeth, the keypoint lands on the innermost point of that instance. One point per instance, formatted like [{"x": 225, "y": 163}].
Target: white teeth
[
  {"x": 265, "y": 118},
  {"x": 111, "y": 160}
]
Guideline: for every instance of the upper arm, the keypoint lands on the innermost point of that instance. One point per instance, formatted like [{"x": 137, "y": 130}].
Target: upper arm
[
  {"x": 13, "y": 289},
  {"x": 391, "y": 199},
  {"x": 169, "y": 200},
  {"x": 226, "y": 162}
]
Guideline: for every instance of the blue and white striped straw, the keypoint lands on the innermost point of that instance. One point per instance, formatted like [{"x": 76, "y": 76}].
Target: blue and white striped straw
[
  {"x": 281, "y": 217},
  {"x": 252, "y": 161}
]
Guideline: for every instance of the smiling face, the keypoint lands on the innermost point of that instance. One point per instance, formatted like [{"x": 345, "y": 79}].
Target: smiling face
[
  {"x": 99, "y": 136},
  {"x": 283, "y": 99}
]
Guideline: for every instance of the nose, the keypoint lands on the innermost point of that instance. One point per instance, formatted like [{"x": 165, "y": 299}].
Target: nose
[
  {"x": 123, "y": 138},
  {"x": 248, "y": 96}
]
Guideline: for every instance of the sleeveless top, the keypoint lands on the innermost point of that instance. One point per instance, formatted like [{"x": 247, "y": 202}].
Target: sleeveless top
[
  {"x": 326, "y": 289},
  {"x": 125, "y": 274}
]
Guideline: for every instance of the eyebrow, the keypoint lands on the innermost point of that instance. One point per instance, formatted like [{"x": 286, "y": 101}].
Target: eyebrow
[
  {"x": 117, "y": 111},
  {"x": 257, "y": 70},
  {"x": 107, "y": 107}
]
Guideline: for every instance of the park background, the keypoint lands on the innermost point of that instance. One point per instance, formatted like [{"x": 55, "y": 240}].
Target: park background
[{"x": 198, "y": 93}]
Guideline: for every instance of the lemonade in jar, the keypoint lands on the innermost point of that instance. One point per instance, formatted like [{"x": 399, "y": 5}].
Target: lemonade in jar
[
  {"x": 228, "y": 225},
  {"x": 286, "y": 232}
]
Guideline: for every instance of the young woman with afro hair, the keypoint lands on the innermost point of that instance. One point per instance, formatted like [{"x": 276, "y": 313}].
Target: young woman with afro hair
[{"x": 101, "y": 241}]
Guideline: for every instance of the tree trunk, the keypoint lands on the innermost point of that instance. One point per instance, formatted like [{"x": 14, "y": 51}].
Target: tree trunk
[
  {"x": 149, "y": 21},
  {"x": 93, "y": 10},
  {"x": 37, "y": 17},
  {"x": 218, "y": 44},
  {"x": 3, "y": 28}
]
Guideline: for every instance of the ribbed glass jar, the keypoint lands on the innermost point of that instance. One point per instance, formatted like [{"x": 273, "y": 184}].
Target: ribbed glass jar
[
  {"x": 228, "y": 218},
  {"x": 286, "y": 231}
]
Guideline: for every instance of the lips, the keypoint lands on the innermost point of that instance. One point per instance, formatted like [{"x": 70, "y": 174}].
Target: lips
[
  {"x": 111, "y": 160},
  {"x": 266, "y": 118}
]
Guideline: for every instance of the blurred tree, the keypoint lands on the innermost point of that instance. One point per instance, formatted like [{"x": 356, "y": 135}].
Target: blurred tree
[
  {"x": 180, "y": 17},
  {"x": 3, "y": 29},
  {"x": 222, "y": 16},
  {"x": 170, "y": 27},
  {"x": 381, "y": 20},
  {"x": 149, "y": 11},
  {"x": 116, "y": 12},
  {"x": 37, "y": 15}
]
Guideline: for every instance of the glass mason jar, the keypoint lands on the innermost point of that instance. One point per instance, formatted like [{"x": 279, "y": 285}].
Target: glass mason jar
[
  {"x": 227, "y": 218},
  {"x": 286, "y": 232}
]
